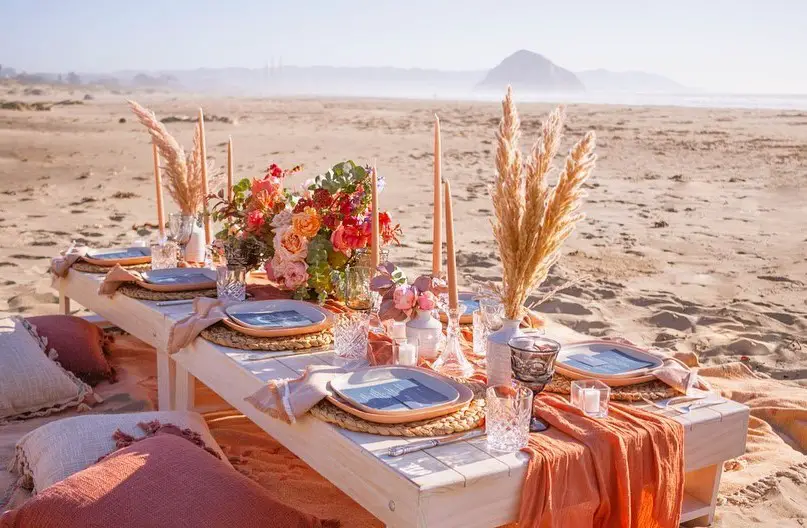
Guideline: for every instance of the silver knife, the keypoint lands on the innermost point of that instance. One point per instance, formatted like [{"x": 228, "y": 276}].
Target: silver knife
[{"x": 402, "y": 450}]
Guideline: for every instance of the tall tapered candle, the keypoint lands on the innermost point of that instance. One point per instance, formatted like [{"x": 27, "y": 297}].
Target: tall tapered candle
[
  {"x": 205, "y": 191},
  {"x": 437, "y": 236},
  {"x": 230, "y": 169},
  {"x": 375, "y": 245},
  {"x": 158, "y": 180},
  {"x": 453, "y": 294}
]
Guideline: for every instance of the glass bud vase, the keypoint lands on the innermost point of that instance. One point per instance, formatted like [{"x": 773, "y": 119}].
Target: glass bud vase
[
  {"x": 231, "y": 283},
  {"x": 498, "y": 356},
  {"x": 426, "y": 331},
  {"x": 452, "y": 360}
]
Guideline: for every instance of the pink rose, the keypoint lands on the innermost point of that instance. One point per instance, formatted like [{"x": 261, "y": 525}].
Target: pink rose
[
  {"x": 404, "y": 298},
  {"x": 295, "y": 275},
  {"x": 338, "y": 240},
  {"x": 275, "y": 268},
  {"x": 427, "y": 301}
]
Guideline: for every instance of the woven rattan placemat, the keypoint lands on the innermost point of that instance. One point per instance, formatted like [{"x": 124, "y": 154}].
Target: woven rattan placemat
[
  {"x": 86, "y": 267},
  {"x": 136, "y": 292},
  {"x": 651, "y": 390},
  {"x": 466, "y": 419},
  {"x": 226, "y": 336}
]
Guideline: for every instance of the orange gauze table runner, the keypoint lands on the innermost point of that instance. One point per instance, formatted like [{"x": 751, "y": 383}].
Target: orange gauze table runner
[{"x": 626, "y": 470}]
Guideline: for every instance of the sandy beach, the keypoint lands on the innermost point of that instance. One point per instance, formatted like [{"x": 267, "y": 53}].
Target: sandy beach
[{"x": 694, "y": 238}]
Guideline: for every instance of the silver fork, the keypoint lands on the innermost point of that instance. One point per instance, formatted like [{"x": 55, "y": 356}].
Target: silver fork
[{"x": 673, "y": 401}]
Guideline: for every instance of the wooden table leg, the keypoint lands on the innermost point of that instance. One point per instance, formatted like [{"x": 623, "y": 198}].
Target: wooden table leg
[
  {"x": 185, "y": 389},
  {"x": 703, "y": 485},
  {"x": 64, "y": 300},
  {"x": 165, "y": 381}
]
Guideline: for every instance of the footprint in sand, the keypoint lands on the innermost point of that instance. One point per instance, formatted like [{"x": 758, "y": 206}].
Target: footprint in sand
[
  {"x": 43, "y": 243},
  {"x": 557, "y": 306},
  {"x": 7, "y": 264},
  {"x": 667, "y": 319},
  {"x": 27, "y": 257}
]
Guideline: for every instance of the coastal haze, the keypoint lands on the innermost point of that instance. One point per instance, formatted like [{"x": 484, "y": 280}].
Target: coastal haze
[{"x": 694, "y": 238}]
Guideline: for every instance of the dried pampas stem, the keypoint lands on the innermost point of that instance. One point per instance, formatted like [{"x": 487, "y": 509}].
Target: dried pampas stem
[
  {"x": 182, "y": 174},
  {"x": 531, "y": 221}
]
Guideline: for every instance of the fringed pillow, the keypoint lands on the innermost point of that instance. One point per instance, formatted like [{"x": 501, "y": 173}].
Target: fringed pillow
[
  {"x": 160, "y": 481},
  {"x": 62, "y": 448},
  {"x": 79, "y": 346},
  {"x": 31, "y": 382}
]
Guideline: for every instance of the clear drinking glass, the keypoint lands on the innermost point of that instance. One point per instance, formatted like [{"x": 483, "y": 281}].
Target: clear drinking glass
[
  {"x": 508, "y": 409},
  {"x": 164, "y": 255},
  {"x": 180, "y": 228},
  {"x": 492, "y": 313},
  {"x": 231, "y": 283},
  {"x": 358, "y": 295},
  {"x": 350, "y": 335}
]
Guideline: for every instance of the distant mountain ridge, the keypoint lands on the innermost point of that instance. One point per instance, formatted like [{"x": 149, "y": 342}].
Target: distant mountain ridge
[
  {"x": 601, "y": 80},
  {"x": 527, "y": 71}
]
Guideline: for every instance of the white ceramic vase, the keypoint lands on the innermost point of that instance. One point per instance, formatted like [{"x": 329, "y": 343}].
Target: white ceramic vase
[
  {"x": 426, "y": 331},
  {"x": 195, "y": 249},
  {"x": 498, "y": 367}
]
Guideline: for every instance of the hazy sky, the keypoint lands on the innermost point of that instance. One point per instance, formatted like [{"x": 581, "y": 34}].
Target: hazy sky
[{"x": 748, "y": 46}]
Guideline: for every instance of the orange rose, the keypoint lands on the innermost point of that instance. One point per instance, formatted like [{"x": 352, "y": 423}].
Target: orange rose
[
  {"x": 294, "y": 243},
  {"x": 307, "y": 223}
]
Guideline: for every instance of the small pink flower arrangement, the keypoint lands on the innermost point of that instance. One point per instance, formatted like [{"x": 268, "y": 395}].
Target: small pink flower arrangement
[{"x": 399, "y": 300}]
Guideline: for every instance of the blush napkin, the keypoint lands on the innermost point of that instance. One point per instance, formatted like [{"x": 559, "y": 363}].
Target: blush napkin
[{"x": 60, "y": 265}]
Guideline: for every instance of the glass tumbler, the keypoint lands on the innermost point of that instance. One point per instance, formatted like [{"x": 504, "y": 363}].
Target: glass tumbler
[
  {"x": 231, "y": 283},
  {"x": 508, "y": 409},
  {"x": 164, "y": 255},
  {"x": 350, "y": 335}
]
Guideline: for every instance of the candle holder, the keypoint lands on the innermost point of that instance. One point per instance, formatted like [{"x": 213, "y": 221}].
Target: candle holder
[
  {"x": 452, "y": 360},
  {"x": 591, "y": 397}
]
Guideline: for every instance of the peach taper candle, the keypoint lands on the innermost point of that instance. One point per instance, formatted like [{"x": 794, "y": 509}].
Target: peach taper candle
[
  {"x": 375, "y": 245},
  {"x": 437, "y": 236},
  {"x": 158, "y": 180},
  {"x": 205, "y": 190},
  {"x": 453, "y": 293},
  {"x": 230, "y": 169}
]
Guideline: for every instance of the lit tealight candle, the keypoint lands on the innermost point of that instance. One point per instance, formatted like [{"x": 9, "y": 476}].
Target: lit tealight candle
[
  {"x": 398, "y": 332},
  {"x": 407, "y": 355},
  {"x": 591, "y": 401}
]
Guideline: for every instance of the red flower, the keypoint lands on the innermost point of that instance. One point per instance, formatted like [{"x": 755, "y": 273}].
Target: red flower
[
  {"x": 255, "y": 221},
  {"x": 356, "y": 233},
  {"x": 345, "y": 207},
  {"x": 389, "y": 232},
  {"x": 301, "y": 205},
  {"x": 274, "y": 171},
  {"x": 322, "y": 199},
  {"x": 330, "y": 221}
]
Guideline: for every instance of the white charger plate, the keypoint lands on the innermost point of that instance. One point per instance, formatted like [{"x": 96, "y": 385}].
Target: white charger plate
[{"x": 365, "y": 379}]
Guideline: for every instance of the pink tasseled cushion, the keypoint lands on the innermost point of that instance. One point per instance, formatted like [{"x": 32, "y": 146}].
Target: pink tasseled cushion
[
  {"x": 164, "y": 480},
  {"x": 79, "y": 346}
]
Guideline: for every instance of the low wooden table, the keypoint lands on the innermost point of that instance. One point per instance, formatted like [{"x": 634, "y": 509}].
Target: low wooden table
[{"x": 461, "y": 484}]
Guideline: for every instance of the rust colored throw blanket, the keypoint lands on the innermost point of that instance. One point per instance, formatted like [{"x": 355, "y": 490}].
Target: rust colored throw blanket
[{"x": 626, "y": 470}]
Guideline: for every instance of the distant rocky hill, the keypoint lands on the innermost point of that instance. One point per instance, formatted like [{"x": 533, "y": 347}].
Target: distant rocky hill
[{"x": 527, "y": 71}]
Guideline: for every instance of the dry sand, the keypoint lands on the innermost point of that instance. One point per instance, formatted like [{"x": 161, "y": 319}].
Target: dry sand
[{"x": 694, "y": 240}]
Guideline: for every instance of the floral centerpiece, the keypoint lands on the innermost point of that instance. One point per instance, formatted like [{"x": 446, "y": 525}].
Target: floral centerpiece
[{"x": 305, "y": 239}]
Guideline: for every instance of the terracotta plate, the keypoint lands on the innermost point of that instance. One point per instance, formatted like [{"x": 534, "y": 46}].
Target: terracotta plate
[
  {"x": 465, "y": 397},
  {"x": 278, "y": 318},
  {"x": 178, "y": 279},
  {"x": 131, "y": 256},
  {"x": 615, "y": 364}
]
